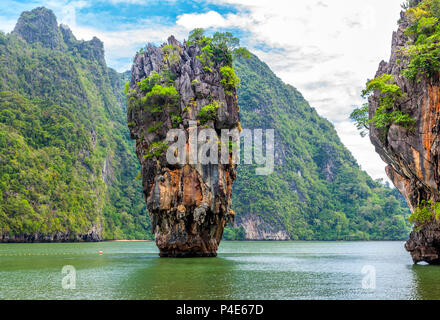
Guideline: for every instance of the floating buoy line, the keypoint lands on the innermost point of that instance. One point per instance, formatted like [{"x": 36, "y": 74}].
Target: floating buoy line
[{"x": 29, "y": 254}]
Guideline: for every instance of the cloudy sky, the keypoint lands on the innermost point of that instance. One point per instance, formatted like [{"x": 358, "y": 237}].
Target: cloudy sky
[{"x": 325, "y": 48}]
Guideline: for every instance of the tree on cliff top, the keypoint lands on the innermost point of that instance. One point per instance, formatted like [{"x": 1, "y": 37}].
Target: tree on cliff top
[{"x": 224, "y": 46}]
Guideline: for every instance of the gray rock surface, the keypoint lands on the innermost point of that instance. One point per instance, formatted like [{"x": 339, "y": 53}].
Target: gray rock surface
[
  {"x": 189, "y": 205},
  {"x": 413, "y": 155}
]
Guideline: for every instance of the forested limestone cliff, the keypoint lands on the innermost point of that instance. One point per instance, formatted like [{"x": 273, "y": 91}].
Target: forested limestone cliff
[
  {"x": 69, "y": 171},
  {"x": 403, "y": 120},
  {"x": 318, "y": 191},
  {"x": 67, "y": 165},
  {"x": 189, "y": 203}
]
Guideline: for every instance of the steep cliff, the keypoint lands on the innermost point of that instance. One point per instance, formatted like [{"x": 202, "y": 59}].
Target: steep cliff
[
  {"x": 67, "y": 164},
  {"x": 404, "y": 124},
  {"x": 64, "y": 145},
  {"x": 317, "y": 190},
  {"x": 179, "y": 86}
]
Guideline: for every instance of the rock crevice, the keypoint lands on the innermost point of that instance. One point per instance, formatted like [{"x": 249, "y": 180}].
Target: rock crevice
[
  {"x": 189, "y": 204},
  {"x": 412, "y": 154}
]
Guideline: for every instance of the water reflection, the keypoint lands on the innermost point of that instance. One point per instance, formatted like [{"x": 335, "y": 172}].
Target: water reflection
[
  {"x": 243, "y": 270},
  {"x": 427, "y": 282},
  {"x": 196, "y": 278}
]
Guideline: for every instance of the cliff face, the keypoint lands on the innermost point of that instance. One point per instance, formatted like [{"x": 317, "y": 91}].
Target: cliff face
[
  {"x": 257, "y": 229},
  {"x": 189, "y": 204},
  {"x": 413, "y": 154},
  {"x": 67, "y": 165},
  {"x": 317, "y": 190},
  {"x": 39, "y": 26},
  {"x": 71, "y": 175}
]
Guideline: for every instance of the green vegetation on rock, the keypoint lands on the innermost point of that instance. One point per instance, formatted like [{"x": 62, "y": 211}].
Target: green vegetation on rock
[
  {"x": 318, "y": 191},
  {"x": 156, "y": 93},
  {"x": 208, "y": 112},
  {"x": 230, "y": 81},
  {"x": 387, "y": 113},
  {"x": 426, "y": 212},
  {"x": 67, "y": 163},
  {"x": 422, "y": 54},
  {"x": 156, "y": 149},
  {"x": 221, "y": 47},
  {"x": 171, "y": 54}
]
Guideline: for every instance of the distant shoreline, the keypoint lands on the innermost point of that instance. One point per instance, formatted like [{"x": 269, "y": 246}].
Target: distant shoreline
[
  {"x": 328, "y": 241},
  {"x": 127, "y": 240}
]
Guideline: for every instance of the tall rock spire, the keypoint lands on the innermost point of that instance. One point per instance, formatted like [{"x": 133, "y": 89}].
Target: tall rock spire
[
  {"x": 171, "y": 87},
  {"x": 412, "y": 152}
]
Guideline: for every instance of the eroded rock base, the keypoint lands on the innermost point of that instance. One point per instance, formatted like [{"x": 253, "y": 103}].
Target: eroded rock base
[
  {"x": 424, "y": 244},
  {"x": 412, "y": 153},
  {"x": 197, "y": 234}
]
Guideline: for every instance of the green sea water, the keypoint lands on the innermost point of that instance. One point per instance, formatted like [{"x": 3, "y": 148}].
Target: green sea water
[{"x": 242, "y": 270}]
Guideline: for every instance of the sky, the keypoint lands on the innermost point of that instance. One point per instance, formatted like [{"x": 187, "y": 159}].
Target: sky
[{"x": 327, "y": 49}]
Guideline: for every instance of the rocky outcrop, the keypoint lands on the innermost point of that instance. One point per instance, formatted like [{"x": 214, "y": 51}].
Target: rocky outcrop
[
  {"x": 413, "y": 154},
  {"x": 94, "y": 235},
  {"x": 257, "y": 229},
  {"x": 39, "y": 25},
  {"x": 189, "y": 204},
  {"x": 90, "y": 133}
]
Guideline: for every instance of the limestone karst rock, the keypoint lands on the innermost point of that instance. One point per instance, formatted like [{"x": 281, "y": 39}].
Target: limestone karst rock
[
  {"x": 39, "y": 26},
  {"x": 172, "y": 87},
  {"x": 413, "y": 154},
  {"x": 71, "y": 107}
]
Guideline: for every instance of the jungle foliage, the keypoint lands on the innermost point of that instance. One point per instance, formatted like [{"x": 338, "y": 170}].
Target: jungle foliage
[
  {"x": 421, "y": 57},
  {"x": 67, "y": 162},
  {"x": 389, "y": 94},
  {"x": 318, "y": 191}
]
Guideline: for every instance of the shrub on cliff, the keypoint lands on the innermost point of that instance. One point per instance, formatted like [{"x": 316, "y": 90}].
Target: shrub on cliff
[
  {"x": 171, "y": 54},
  {"x": 156, "y": 91},
  {"x": 221, "y": 47},
  {"x": 422, "y": 55},
  {"x": 388, "y": 112},
  {"x": 149, "y": 82},
  {"x": 425, "y": 212},
  {"x": 156, "y": 149},
  {"x": 230, "y": 81},
  {"x": 166, "y": 95},
  {"x": 208, "y": 112}
]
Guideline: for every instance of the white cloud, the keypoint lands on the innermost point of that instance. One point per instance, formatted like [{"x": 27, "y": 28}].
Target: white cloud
[
  {"x": 7, "y": 25},
  {"x": 67, "y": 11},
  {"x": 141, "y": 2},
  {"x": 212, "y": 19},
  {"x": 205, "y": 20},
  {"x": 119, "y": 45},
  {"x": 331, "y": 47}
]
